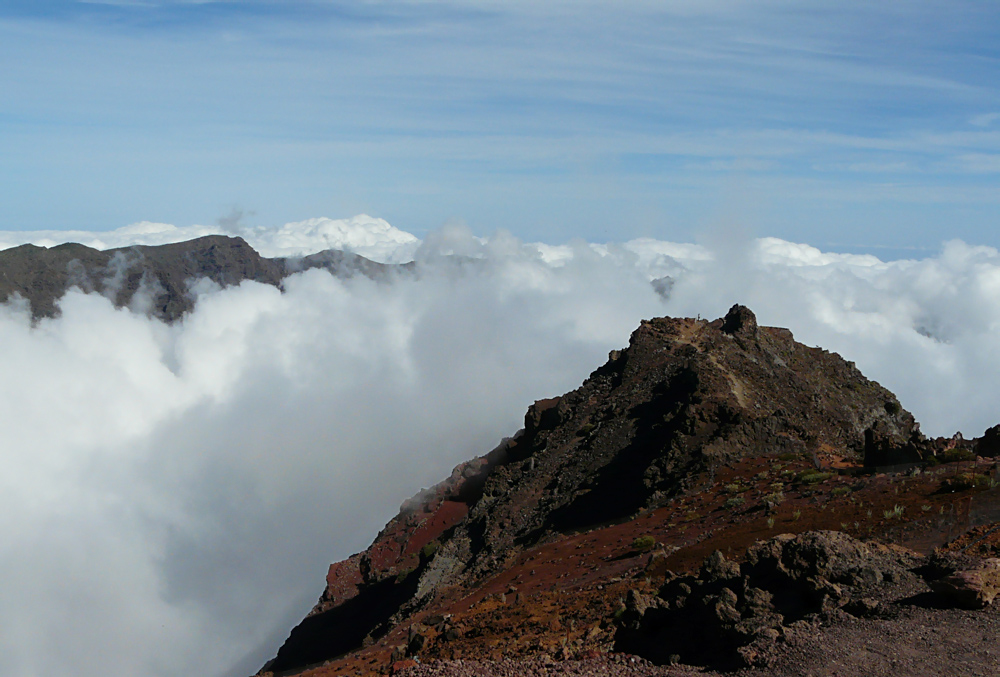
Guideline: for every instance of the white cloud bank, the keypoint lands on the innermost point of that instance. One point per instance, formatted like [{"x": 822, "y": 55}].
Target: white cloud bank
[{"x": 171, "y": 495}]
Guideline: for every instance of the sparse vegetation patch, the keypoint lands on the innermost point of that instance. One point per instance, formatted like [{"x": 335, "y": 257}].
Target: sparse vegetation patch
[{"x": 643, "y": 543}]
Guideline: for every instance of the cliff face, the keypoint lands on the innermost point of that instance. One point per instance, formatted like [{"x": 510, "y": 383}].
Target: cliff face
[
  {"x": 687, "y": 400},
  {"x": 42, "y": 275}
]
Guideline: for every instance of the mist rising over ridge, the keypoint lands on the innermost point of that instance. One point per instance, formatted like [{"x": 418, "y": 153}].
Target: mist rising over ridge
[
  {"x": 152, "y": 467},
  {"x": 936, "y": 311}
]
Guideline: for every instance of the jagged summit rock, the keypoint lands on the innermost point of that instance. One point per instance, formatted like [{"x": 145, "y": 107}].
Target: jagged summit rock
[{"x": 740, "y": 320}]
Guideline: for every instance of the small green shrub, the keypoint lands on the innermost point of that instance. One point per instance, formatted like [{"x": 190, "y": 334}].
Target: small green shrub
[
  {"x": 733, "y": 502},
  {"x": 814, "y": 477},
  {"x": 975, "y": 480},
  {"x": 956, "y": 454},
  {"x": 840, "y": 491},
  {"x": 734, "y": 488},
  {"x": 896, "y": 512},
  {"x": 892, "y": 407},
  {"x": 585, "y": 429},
  {"x": 643, "y": 543},
  {"x": 796, "y": 515},
  {"x": 966, "y": 481},
  {"x": 430, "y": 549},
  {"x": 403, "y": 575},
  {"x": 774, "y": 498}
]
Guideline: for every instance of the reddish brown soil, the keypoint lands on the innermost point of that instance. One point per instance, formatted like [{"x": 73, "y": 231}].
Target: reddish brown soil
[
  {"x": 981, "y": 541},
  {"x": 917, "y": 642},
  {"x": 559, "y": 599}
]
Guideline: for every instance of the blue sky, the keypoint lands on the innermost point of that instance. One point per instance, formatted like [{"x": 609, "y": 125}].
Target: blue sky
[{"x": 853, "y": 126}]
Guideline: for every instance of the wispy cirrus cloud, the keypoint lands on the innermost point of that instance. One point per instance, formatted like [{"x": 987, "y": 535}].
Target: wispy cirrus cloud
[{"x": 985, "y": 119}]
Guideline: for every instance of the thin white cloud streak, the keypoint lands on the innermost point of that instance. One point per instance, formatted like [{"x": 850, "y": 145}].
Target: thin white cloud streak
[
  {"x": 425, "y": 111},
  {"x": 984, "y": 119},
  {"x": 171, "y": 495}
]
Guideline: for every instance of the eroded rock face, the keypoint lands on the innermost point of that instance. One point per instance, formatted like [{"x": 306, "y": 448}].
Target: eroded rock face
[
  {"x": 740, "y": 321},
  {"x": 729, "y": 614}
]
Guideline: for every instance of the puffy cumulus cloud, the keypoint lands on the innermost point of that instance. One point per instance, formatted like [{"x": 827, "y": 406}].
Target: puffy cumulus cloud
[
  {"x": 923, "y": 328},
  {"x": 362, "y": 234},
  {"x": 172, "y": 494}
]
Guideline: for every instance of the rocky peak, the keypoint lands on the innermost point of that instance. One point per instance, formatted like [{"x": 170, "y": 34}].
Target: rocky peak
[
  {"x": 686, "y": 399},
  {"x": 741, "y": 321}
]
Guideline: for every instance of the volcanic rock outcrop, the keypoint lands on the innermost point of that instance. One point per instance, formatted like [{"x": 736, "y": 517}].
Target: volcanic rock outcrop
[
  {"x": 730, "y": 614},
  {"x": 686, "y": 401}
]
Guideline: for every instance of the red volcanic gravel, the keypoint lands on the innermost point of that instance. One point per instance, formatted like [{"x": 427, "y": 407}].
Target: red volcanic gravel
[
  {"x": 915, "y": 642},
  {"x": 613, "y": 665}
]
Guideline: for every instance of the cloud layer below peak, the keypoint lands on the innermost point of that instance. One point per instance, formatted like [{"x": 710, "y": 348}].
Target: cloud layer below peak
[{"x": 172, "y": 494}]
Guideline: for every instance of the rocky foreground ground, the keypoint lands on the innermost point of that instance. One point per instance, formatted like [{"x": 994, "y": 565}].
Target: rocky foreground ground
[
  {"x": 819, "y": 604},
  {"x": 915, "y": 642}
]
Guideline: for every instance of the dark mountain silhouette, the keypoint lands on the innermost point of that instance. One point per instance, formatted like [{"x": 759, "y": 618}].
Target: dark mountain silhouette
[{"x": 162, "y": 274}]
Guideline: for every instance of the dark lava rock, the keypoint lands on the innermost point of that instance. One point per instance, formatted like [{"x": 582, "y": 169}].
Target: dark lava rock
[
  {"x": 989, "y": 443},
  {"x": 729, "y": 614},
  {"x": 740, "y": 321}
]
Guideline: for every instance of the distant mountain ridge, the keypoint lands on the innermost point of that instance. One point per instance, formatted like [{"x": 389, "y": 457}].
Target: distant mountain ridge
[{"x": 162, "y": 273}]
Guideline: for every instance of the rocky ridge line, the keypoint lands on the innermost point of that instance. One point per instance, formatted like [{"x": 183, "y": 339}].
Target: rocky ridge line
[
  {"x": 157, "y": 279},
  {"x": 656, "y": 424}
]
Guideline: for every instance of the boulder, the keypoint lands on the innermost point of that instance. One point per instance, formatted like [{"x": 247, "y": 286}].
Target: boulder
[
  {"x": 970, "y": 588},
  {"x": 740, "y": 321},
  {"x": 729, "y": 614}
]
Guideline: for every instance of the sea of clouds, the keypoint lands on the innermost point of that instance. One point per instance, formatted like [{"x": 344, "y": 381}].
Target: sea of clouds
[{"x": 171, "y": 495}]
